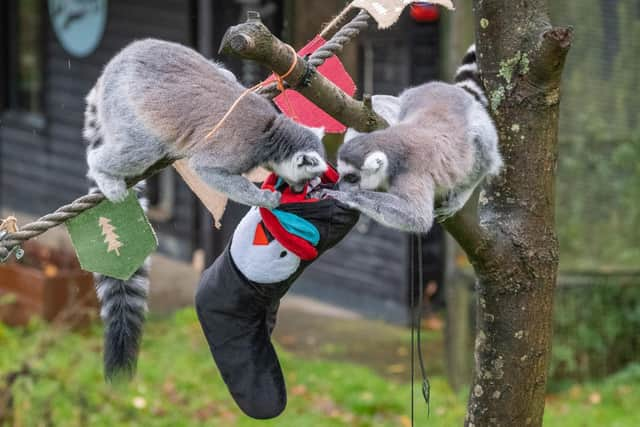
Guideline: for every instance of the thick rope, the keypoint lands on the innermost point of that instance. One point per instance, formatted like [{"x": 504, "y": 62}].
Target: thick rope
[
  {"x": 48, "y": 222},
  {"x": 339, "y": 40},
  {"x": 10, "y": 241}
]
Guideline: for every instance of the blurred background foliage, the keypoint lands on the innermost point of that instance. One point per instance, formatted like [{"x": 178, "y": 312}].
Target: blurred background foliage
[
  {"x": 597, "y": 315},
  {"x": 596, "y": 327},
  {"x": 598, "y": 198},
  {"x": 52, "y": 377}
]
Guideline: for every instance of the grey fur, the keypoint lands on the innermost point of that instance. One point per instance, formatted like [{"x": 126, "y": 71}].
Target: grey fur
[
  {"x": 442, "y": 147},
  {"x": 157, "y": 100}
]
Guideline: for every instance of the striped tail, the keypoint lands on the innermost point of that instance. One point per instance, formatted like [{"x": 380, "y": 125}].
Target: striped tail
[
  {"x": 123, "y": 309},
  {"x": 468, "y": 77},
  {"x": 123, "y": 302},
  {"x": 92, "y": 132}
]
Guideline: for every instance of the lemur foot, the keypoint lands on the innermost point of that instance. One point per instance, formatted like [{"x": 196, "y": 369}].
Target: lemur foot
[
  {"x": 114, "y": 189},
  {"x": 446, "y": 211}
]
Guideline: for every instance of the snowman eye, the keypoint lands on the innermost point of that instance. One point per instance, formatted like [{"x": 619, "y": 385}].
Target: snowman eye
[{"x": 283, "y": 254}]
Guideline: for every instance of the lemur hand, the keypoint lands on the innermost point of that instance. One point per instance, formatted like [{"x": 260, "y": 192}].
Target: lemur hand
[
  {"x": 341, "y": 196},
  {"x": 269, "y": 199}
]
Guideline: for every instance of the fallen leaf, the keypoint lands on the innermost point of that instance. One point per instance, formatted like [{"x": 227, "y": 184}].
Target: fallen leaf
[
  {"x": 575, "y": 391},
  {"x": 206, "y": 412},
  {"x": 402, "y": 351},
  {"x": 299, "y": 390},
  {"x": 327, "y": 406},
  {"x": 396, "y": 369},
  {"x": 139, "y": 402},
  {"x": 595, "y": 398},
  {"x": 287, "y": 340}
]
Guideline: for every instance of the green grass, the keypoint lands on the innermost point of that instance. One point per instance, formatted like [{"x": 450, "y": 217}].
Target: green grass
[{"x": 178, "y": 385}]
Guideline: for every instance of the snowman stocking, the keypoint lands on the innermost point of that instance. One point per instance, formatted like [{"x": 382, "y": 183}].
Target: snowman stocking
[{"x": 238, "y": 296}]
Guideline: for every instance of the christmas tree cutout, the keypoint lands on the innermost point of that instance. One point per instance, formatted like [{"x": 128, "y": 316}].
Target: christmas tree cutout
[
  {"x": 110, "y": 237},
  {"x": 122, "y": 253}
]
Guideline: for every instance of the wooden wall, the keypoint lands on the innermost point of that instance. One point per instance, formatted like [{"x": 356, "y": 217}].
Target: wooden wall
[{"x": 43, "y": 164}]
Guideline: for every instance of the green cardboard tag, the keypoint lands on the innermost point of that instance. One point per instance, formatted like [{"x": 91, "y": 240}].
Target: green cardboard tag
[{"x": 113, "y": 239}]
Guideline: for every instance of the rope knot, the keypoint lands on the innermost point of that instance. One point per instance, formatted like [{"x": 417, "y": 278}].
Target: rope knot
[{"x": 8, "y": 227}]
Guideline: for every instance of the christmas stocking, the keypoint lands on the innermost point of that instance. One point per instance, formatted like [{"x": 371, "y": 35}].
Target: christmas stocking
[{"x": 238, "y": 296}]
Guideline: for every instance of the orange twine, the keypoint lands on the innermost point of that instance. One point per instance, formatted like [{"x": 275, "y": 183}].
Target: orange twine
[{"x": 280, "y": 84}]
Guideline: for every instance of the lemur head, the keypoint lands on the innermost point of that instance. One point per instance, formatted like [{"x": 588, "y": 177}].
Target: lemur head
[
  {"x": 362, "y": 166},
  {"x": 299, "y": 152}
]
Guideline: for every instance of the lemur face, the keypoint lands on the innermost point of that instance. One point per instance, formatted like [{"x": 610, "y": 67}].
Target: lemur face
[
  {"x": 372, "y": 175},
  {"x": 301, "y": 167},
  {"x": 307, "y": 162}
]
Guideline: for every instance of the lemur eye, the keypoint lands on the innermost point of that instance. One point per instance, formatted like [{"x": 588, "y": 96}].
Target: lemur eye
[{"x": 351, "y": 178}]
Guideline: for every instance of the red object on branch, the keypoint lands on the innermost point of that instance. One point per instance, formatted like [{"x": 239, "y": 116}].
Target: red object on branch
[
  {"x": 303, "y": 111},
  {"x": 424, "y": 12}
]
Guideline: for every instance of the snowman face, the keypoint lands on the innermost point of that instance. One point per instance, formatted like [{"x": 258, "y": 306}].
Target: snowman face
[{"x": 259, "y": 257}]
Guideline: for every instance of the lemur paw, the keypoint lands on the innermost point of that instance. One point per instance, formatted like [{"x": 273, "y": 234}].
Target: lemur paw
[
  {"x": 269, "y": 199},
  {"x": 340, "y": 196},
  {"x": 115, "y": 191}
]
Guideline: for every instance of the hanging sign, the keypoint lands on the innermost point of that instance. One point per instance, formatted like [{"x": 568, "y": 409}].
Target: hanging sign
[{"x": 113, "y": 239}]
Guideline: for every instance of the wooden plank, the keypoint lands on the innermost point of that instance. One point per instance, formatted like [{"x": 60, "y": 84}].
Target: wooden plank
[{"x": 53, "y": 169}]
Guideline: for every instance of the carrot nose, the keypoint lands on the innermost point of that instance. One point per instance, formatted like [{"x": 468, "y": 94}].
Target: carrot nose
[{"x": 260, "y": 238}]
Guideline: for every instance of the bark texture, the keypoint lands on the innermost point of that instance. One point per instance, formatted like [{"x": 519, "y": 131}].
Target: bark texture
[
  {"x": 252, "y": 40},
  {"x": 508, "y": 231},
  {"x": 510, "y": 234}
]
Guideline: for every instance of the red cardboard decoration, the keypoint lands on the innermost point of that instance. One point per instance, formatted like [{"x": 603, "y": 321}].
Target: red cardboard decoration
[
  {"x": 424, "y": 12},
  {"x": 303, "y": 111}
]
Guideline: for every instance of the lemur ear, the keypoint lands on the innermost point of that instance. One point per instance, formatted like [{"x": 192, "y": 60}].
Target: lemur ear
[
  {"x": 319, "y": 132},
  {"x": 375, "y": 162}
]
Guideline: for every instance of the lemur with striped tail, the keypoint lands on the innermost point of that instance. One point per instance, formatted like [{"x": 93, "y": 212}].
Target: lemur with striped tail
[
  {"x": 440, "y": 148},
  {"x": 160, "y": 100}
]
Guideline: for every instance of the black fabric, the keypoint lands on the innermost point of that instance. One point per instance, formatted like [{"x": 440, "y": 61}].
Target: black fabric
[{"x": 238, "y": 316}]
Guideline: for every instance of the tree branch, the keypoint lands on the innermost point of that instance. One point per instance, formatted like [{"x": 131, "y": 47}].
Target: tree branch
[
  {"x": 252, "y": 40},
  {"x": 465, "y": 226},
  {"x": 547, "y": 62}
]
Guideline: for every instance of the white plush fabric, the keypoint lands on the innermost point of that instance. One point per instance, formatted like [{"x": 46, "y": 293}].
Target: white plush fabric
[{"x": 264, "y": 264}]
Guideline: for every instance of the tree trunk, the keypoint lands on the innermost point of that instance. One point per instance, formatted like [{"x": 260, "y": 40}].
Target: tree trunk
[
  {"x": 513, "y": 245},
  {"x": 509, "y": 232}
]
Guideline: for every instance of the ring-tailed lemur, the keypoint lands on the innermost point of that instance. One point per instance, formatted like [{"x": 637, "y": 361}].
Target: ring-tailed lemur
[
  {"x": 441, "y": 147},
  {"x": 157, "y": 99}
]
